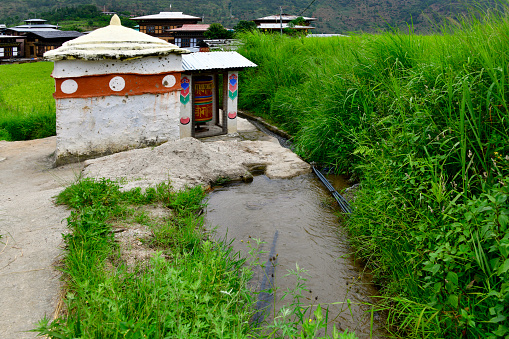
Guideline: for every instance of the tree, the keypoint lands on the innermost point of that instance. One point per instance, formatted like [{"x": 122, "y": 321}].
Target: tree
[
  {"x": 217, "y": 31},
  {"x": 300, "y": 21},
  {"x": 244, "y": 26},
  {"x": 290, "y": 30}
]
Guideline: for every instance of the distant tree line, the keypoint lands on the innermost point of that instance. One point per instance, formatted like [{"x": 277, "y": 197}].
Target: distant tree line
[
  {"x": 217, "y": 31},
  {"x": 75, "y": 13},
  {"x": 89, "y": 15}
]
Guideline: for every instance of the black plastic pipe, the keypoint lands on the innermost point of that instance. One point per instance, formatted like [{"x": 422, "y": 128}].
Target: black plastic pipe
[{"x": 342, "y": 202}]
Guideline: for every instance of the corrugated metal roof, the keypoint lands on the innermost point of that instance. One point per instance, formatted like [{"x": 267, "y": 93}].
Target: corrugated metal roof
[{"x": 214, "y": 60}]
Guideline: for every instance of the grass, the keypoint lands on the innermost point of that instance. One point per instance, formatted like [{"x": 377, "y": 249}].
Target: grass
[
  {"x": 191, "y": 287},
  {"x": 27, "y": 108},
  {"x": 422, "y": 122}
]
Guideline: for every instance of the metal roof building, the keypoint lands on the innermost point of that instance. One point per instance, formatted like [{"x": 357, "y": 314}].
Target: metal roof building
[
  {"x": 172, "y": 27},
  {"x": 274, "y": 23}
]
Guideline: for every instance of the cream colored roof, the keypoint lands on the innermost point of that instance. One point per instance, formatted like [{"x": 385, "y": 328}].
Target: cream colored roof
[{"x": 113, "y": 42}]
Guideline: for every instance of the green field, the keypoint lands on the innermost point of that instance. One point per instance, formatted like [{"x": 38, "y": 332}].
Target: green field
[
  {"x": 27, "y": 107},
  {"x": 422, "y": 123}
]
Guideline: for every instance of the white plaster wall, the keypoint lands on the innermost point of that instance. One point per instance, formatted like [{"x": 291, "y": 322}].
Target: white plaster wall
[
  {"x": 87, "y": 127},
  {"x": 147, "y": 65}
]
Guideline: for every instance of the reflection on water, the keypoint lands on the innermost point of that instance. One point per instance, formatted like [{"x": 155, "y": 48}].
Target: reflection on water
[{"x": 308, "y": 234}]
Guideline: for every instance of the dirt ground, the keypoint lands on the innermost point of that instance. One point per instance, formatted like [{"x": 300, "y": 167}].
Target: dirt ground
[{"x": 31, "y": 225}]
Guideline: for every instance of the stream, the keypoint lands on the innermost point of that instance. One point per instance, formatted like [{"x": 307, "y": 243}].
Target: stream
[{"x": 296, "y": 219}]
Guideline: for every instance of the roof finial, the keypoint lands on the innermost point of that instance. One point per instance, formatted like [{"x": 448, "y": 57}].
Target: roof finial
[{"x": 115, "y": 21}]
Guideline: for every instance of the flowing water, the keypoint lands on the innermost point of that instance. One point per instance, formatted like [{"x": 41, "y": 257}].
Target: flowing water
[{"x": 297, "y": 221}]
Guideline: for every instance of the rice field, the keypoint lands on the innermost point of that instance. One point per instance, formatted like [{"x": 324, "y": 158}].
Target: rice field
[{"x": 27, "y": 107}]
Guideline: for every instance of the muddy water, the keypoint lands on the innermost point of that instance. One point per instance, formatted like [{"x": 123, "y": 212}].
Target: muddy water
[{"x": 295, "y": 218}]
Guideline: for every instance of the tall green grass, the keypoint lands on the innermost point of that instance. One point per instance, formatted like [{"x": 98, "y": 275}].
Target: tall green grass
[
  {"x": 422, "y": 122},
  {"x": 27, "y": 107}
]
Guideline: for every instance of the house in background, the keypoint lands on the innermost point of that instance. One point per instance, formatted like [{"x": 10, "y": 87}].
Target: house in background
[
  {"x": 174, "y": 27},
  {"x": 274, "y": 23},
  {"x": 37, "y": 43},
  {"x": 189, "y": 35},
  {"x": 38, "y": 36},
  {"x": 10, "y": 46}
]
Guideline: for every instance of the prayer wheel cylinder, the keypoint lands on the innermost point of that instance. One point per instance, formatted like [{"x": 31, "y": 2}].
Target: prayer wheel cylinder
[{"x": 203, "y": 98}]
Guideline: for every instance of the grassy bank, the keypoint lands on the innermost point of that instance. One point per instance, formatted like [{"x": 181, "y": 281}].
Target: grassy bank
[
  {"x": 422, "y": 121},
  {"x": 27, "y": 107}
]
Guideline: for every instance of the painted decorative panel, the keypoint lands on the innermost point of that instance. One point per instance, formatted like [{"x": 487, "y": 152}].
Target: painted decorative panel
[
  {"x": 116, "y": 84},
  {"x": 232, "y": 86},
  {"x": 184, "y": 92}
]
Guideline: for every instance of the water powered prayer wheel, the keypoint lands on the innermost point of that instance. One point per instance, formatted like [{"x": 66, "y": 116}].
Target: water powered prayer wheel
[{"x": 203, "y": 98}]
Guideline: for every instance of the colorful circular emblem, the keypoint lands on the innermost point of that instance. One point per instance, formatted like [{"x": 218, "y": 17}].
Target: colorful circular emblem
[
  {"x": 69, "y": 86},
  {"x": 169, "y": 81},
  {"x": 117, "y": 84},
  {"x": 185, "y": 120},
  {"x": 232, "y": 115}
]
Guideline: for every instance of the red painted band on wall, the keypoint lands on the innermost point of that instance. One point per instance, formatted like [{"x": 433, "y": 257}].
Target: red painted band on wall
[{"x": 116, "y": 84}]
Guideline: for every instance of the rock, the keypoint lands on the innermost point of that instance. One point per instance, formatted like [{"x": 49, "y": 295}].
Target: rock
[{"x": 191, "y": 162}]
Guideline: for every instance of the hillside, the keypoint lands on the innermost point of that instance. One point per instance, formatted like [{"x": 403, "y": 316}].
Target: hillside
[{"x": 334, "y": 16}]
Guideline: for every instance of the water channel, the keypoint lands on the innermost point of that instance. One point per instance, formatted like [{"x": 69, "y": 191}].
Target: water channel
[{"x": 297, "y": 219}]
